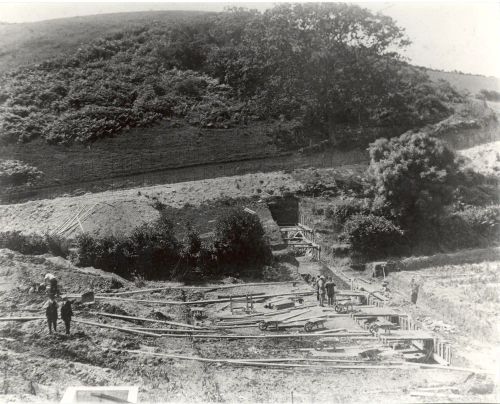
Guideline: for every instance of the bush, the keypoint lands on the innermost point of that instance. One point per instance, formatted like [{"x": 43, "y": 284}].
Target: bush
[
  {"x": 240, "y": 242},
  {"x": 153, "y": 252},
  {"x": 24, "y": 243},
  {"x": 412, "y": 176},
  {"x": 373, "y": 236},
  {"x": 473, "y": 226},
  {"x": 57, "y": 245},
  {"x": 156, "y": 250},
  {"x": 341, "y": 211},
  {"x": 15, "y": 172},
  {"x": 107, "y": 253},
  {"x": 490, "y": 95},
  {"x": 191, "y": 87}
]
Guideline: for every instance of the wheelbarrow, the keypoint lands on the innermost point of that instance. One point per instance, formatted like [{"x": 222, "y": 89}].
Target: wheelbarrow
[
  {"x": 382, "y": 324},
  {"x": 344, "y": 306},
  {"x": 307, "y": 324}
]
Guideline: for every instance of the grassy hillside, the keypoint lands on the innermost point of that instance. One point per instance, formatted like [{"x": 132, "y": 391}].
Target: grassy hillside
[
  {"x": 473, "y": 83},
  {"x": 34, "y": 42}
]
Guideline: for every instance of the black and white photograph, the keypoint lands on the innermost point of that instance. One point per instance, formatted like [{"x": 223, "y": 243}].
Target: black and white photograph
[{"x": 250, "y": 202}]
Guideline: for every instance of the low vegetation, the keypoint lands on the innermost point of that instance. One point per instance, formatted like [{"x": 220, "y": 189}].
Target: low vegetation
[
  {"x": 15, "y": 172},
  {"x": 153, "y": 251},
  {"x": 35, "y": 244},
  {"x": 490, "y": 95}
]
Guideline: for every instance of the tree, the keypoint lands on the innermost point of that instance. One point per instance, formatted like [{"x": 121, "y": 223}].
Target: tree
[
  {"x": 412, "y": 176},
  {"x": 330, "y": 60},
  {"x": 240, "y": 242}
]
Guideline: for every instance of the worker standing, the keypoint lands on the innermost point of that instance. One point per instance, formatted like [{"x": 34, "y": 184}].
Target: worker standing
[
  {"x": 321, "y": 290},
  {"x": 330, "y": 291},
  {"x": 414, "y": 290},
  {"x": 51, "y": 285},
  {"x": 66, "y": 313},
  {"x": 314, "y": 282},
  {"x": 51, "y": 313}
]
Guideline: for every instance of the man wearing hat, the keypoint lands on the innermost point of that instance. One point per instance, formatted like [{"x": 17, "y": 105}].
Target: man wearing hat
[{"x": 66, "y": 313}]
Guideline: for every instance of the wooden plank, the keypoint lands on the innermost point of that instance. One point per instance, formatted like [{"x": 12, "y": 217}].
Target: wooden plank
[
  {"x": 432, "y": 394},
  {"x": 365, "y": 336},
  {"x": 313, "y": 318},
  {"x": 214, "y": 287},
  {"x": 69, "y": 221},
  {"x": 22, "y": 318},
  {"x": 236, "y": 296},
  {"x": 259, "y": 364},
  {"x": 288, "y": 317},
  {"x": 128, "y": 330},
  {"x": 171, "y": 330},
  {"x": 194, "y": 327},
  {"x": 458, "y": 369},
  {"x": 199, "y": 302},
  {"x": 331, "y": 330}
]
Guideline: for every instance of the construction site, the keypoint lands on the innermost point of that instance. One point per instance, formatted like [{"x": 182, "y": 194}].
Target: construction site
[
  {"x": 276, "y": 205},
  {"x": 241, "y": 340}
]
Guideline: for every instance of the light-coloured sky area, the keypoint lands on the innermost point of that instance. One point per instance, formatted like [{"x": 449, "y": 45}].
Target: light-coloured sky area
[{"x": 449, "y": 35}]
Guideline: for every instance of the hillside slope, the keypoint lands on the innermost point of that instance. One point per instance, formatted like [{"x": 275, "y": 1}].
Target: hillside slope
[
  {"x": 34, "y": 42},
  {"x": 473, "y": 83}
]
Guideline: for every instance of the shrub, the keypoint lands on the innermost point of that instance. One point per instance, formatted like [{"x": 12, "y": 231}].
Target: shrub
[
  {"x": 106, "y": 253},
  {"x": 473, "y": 226},
  {"x": 152, "y": 251},
  {"x": 341, "y": 211},
  {"x": 15, "y": 172},
  {"x": 412, "y": 176},
  {"x": 24, "y": 243},
  {"x": 57, "y": 245},
  {"x": 157, "y": 251},
  {"x": 490, "y": 95},
  {"x": 373, "y": 236},
  {"x": 240, "y": 242},
  {"x": 191, "y": 86},
  {"x": 85, "y": 250}
]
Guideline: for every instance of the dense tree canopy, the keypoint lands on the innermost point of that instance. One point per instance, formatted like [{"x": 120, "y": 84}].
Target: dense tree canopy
[{"x": 315, "y": 64}]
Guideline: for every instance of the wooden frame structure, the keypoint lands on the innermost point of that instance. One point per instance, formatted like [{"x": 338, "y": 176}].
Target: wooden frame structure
[{"x": 301, "y": 238}]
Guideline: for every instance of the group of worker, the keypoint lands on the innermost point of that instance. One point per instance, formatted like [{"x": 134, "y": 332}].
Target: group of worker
[
  {"x": 325, "y": 290},
  {"x": 51, "y": 306}
]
